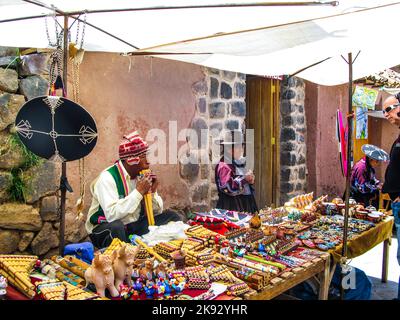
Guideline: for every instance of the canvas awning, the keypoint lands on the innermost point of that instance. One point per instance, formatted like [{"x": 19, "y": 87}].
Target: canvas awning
[{"x": 251, "y": 40}]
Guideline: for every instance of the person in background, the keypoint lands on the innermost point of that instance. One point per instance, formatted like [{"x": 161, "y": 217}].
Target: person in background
[
  {"x": 364, "y": 184},
  {"x": 391, "y": 109},
  {"x": 235, "y": 184},
  {"x": 117, "y": 209}
]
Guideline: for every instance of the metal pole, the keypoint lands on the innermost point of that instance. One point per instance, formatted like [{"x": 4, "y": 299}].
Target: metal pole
[
  {"x": 349, "y": 154},
  {"x": 64, "y": 165}
]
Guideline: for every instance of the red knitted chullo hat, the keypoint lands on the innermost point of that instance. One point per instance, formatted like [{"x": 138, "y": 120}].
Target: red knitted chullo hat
[{"x": 131, "y": 147}]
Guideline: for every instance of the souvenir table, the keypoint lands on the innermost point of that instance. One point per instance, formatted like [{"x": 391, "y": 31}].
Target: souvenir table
[
  {"x": 365, "y": 230},
  {"x": 317, "y": 268},
  {"x": 381, "y": 232}
]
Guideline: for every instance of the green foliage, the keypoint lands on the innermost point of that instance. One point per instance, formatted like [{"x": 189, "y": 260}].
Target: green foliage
[
  {"x": 31, "y": 159},
  {"x": 20, "y": 186}
]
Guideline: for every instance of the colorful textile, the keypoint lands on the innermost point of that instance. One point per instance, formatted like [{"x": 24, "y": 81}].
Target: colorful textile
[
  {"x": 363, "y": 179},
  {"x": 230, "y": 178},
  {"x": 131, "y": 147}
]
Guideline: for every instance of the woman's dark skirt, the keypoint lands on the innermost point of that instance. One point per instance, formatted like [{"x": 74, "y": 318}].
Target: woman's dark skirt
[{"x": 242, "y": 203}]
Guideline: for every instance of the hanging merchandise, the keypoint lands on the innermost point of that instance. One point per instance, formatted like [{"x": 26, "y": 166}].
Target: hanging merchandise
[
  {"x": 361, "y": 123},
  {"x": 364, "y": 97},
  {"x": 341, "y": 136}
]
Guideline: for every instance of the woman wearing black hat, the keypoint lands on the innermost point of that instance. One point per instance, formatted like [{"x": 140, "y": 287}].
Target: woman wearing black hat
[
  {"x": 364, "y": 184},
  {"x": 235, "y": 183}
]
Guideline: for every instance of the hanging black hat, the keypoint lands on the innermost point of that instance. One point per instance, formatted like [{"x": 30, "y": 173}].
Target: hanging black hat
[
  {"x": 374, "y": 152},
  {"x": 56, "y": 128}
]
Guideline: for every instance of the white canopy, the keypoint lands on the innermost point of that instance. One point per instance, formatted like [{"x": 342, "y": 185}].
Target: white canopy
[{"x": 253, "y": 40}]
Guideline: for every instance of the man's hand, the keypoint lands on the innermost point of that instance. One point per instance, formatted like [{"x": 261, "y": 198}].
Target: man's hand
[
  {"x": 154, "y": 185},
  {"x": 143, "y": 185},
  {"x": 397, "y": 199}
]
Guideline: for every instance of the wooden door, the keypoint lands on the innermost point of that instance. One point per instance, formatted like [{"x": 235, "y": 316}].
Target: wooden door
[{"x": 262, "y": 115}]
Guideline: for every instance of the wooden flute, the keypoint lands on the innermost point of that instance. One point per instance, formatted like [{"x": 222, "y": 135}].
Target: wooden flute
[{"x": 148, "y": 202}]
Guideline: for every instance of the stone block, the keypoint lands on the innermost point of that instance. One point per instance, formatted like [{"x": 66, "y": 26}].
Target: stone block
[
  {"x": 10, "y": 104},
  {"x": 49, "y": 209},
  {"x": 214, "y": 84},
  {"x": 34, "y": 64},
  {"x": 217, "y": 110},
  {"x": 200, "y": 192},
  {"x": 19, "y": 217},
  {"x": 202, "y": 105},
  {"x": 34, "y": 86},
  {"x": 8, "y": 80},
  {"x": 8, "y": 51},
  {"x": 46, "y": 239},
  {"x": 238, "y": 108},
  {"x": 232, "y": 124},
  {"x": 288, "y": 159},
  {"x": 240, "y": 90},
  {"x": 8, "y": 241},
  {"x": 289, "y": 94},
  {"x": 226, "y": 91},
  {"x": 11, "y": 154},
  {"x": 42, "y": 180},
  {"x": 287, "y": 187},
  {"x": 288, "y": 134},
  {"x": 228, "y": 75},
  {"x": 200, "y": 127},
  {"x": 8, "y": 62},
  {"x": 26, "y": 239}
]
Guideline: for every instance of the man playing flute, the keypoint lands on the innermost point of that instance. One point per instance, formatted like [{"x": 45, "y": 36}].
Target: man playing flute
[{"x": 118, "y": 208}]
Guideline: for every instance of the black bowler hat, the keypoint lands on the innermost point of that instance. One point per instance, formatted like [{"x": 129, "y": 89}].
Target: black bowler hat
[{"x": 56, "y": 128}]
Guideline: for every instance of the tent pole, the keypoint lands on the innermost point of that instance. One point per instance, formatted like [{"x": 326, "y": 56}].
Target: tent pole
[
  {"x": 348, "y": 176},
  {"x": 63, "y": 180}
]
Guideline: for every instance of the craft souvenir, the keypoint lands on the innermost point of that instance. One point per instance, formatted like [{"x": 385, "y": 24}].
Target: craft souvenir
[
  {"x": 162, "y": 270},
  {"x": 374, "y": 216},
  {"x": 62, "y": 273},
  {"x": 16, "y": 269},
  {"x": 146, "y": 272},
  {"x": 179, "y": 259},
  {"x": 69, "y": 265},
  {"x": 309, "y": 243},
  {"x": 3, "y": 288},
  {"x": 337, "y": 201},
  {"x": 101, "y": 274},
  {"x": 255, "y": 221},
  {"x": 150, "y": 289},
  {"x": 123, "y": 262}
]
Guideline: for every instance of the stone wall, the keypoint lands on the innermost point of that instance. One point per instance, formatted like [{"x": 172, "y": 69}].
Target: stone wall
[
  {"x": 28, "y": 222},
  {"x": 293, "y": 147},
  {"x": 220, "y": 104}
]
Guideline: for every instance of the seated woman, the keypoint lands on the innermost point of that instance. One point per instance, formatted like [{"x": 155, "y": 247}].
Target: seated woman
[
  {"x": 117, "y": 209},
  {"x": 364, "y": 184},
  {"x": 234, "y": 182}
]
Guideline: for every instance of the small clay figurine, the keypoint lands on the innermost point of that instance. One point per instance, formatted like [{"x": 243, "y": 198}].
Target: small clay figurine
[
  {"x": 138, "y": 286},
  {"x": 102, "y": 275},
  {"x": 147, "y": 271},
  {"x": 149, "y": 289},
  {"x": 161, "y": 270},
  {"x": 255, "y": 221},
  {"x": 123, "y": 261},
  {"x": 3, "y": 288}
]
